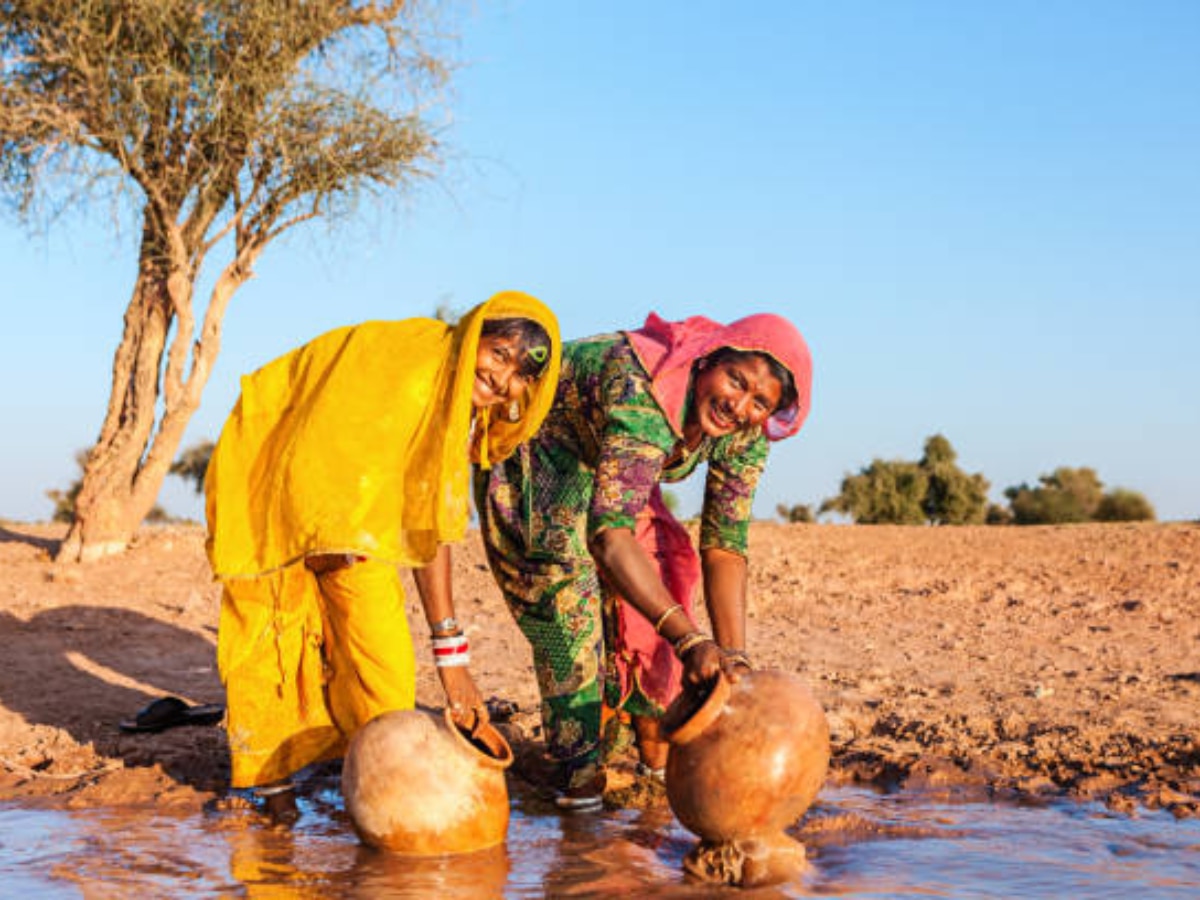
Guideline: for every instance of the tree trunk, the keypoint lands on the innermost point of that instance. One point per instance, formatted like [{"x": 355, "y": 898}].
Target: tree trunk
[
  {"x": 126, "y": 467},
  {"x": 108, "y": 510}
]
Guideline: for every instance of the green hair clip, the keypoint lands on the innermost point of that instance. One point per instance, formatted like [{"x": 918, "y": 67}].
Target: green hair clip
[{"x": 539, "y": 354}]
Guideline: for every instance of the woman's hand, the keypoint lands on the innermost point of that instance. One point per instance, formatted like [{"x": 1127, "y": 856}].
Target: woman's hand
[
  {"x": 463, "y": 698},
  {"x": 734, "y": 664},
  {"x": 702, "y": 663}
]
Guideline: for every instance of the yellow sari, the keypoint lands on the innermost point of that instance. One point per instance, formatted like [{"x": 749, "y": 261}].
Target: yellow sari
[{"x": 359, "y": 442}]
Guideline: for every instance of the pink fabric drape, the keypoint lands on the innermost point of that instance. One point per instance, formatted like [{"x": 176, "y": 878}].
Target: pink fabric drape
[{"x": 643, "y": 658}]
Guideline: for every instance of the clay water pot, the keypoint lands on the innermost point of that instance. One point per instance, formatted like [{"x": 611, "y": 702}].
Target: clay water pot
[
  {"x": 746, "y": 762},
  {"x": 416, "y": 783}
]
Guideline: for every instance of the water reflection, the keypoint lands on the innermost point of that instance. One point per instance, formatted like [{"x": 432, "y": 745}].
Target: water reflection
[{"x": 861, "y": 844}]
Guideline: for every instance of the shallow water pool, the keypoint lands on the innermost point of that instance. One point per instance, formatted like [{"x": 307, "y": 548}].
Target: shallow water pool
[{"x": 862, "y": 844}]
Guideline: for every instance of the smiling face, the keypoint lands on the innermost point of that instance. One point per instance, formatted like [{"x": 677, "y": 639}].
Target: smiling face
[
  {"x": 731, "y": 394},
  {"x": 498, "y": 376}
]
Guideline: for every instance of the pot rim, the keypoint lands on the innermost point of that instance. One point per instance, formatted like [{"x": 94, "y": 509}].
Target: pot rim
[
  {"x": 704, "y": 715},
  {"x": 486, "y": 742}
]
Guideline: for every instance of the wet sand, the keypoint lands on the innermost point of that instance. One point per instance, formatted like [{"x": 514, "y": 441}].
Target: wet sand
[{"x": 970, "y": 662}]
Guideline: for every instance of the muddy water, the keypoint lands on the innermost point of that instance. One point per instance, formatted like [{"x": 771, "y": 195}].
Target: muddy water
[{"x": 862, "y": 845}]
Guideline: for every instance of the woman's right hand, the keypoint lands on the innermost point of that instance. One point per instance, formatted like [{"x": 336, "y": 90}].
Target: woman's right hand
[
  {"x": 702, "y": 663},
  {"x": 463, "y": 698}
]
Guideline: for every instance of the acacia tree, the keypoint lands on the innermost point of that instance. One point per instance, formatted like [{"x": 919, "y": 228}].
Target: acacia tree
[{"x": 220, "y": 125}]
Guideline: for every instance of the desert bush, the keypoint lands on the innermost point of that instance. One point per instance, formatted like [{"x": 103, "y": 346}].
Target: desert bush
[
  {"x": 1064, "y": 496},
  {"x": 192, "y": 464},
  {"x": 934, "y": 490},
  {"x": 953, "y": 496},
  {"x": 1123, "y": 505},
  {"x": 998, "y": 515},
  {"x": 884, "y": 493},
  {"x": 799, "y": 512}
]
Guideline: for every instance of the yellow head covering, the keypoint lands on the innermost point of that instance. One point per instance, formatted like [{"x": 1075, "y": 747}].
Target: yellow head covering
[{"x": 358, "y": 442}]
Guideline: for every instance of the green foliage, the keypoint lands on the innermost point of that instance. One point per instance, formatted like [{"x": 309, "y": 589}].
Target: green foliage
[
  {"x": 953, "y": 496},
  {"x": 192, "y": 464},
  {"x": 1123, "y": 505},
  {"x": 899, "y": 492},
  {"x": 891, "y": 493},
  {"x": 800, "y": 512},
  {"x": 998, "y": 515},
  {"x": 215, "y": 127},
  {"x": 1064, "y": 496}
]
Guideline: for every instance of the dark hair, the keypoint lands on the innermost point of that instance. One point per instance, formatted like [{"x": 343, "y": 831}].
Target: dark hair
[
  {"x": 533, "y": 342},
  {"x": 787, "y": 396}
]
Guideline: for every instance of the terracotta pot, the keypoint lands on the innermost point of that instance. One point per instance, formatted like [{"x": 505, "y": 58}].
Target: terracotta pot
[
  {"x": 416, "y": 783},
  {"x": 746, "y": 762}
]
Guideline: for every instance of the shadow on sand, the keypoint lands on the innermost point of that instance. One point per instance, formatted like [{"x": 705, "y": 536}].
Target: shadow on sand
[{"x": 84, "y": 669}]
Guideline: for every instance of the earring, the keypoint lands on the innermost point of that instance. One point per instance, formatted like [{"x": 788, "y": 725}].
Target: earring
[{"x": 514, "y": 411}]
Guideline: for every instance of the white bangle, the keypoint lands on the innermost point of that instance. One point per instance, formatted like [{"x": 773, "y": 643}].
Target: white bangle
[{"x": 451, "y": 651}]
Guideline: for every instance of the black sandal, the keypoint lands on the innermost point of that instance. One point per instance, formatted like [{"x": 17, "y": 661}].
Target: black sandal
[{"x": 171, "y": 712}]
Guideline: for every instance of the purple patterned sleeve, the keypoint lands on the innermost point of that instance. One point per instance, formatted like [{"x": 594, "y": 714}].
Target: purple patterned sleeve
[{"x": 733, "y": 474}]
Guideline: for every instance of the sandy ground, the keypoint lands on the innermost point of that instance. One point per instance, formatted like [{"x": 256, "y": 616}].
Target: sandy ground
[{"x": 975, "y": 662}]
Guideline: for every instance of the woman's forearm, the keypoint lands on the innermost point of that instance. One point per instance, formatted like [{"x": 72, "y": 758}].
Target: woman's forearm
[
  {"x": 627, "y": 568},
  {"x": 433, "y": 585},
  {"x": 725, "y": 596}
]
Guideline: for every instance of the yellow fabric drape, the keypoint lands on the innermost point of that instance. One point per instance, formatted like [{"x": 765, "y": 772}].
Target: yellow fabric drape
[
  {"x": 307, "y": 661},
  {"x": 357, "y": 442}
]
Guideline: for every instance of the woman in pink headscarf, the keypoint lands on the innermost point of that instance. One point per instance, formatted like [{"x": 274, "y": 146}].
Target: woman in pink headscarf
[{"x": 597, "y": 573}]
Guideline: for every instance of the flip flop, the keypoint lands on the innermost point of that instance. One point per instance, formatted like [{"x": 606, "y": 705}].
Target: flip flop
[{"x": 171, "y": 712}]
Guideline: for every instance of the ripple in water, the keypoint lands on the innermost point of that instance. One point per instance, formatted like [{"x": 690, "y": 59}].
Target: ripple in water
[{"x": 861, "y": 844}]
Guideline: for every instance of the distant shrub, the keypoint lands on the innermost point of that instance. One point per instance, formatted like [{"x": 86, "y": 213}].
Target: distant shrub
[
  {"x": 1064, "y": 496},
  {"x": 884, "y": 493},
  {"x": 1123, "y": 505},
  {"x": 800, "y": 512},
  {"x": 192, "y": 464},
  {"x": 998, "y": 515},
  {"x": 953, "y": 497},
  {"x": 934, "y": 490}
]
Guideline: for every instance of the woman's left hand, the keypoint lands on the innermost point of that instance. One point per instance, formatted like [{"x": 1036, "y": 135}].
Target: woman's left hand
[{"x": 734, "y": 664}]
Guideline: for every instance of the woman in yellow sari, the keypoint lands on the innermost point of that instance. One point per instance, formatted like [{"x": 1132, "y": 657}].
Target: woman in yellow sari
[{"x": 341, "y": 461}]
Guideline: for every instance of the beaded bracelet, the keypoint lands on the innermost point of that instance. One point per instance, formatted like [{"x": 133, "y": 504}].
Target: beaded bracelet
[
  {"x": 667, "y": 613},
  {"x": 451, "y": 651}
]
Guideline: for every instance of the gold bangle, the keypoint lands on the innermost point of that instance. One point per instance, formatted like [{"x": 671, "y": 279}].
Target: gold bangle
[
  {"x": 662, "y": 619},
  {"x": 689, "y": 641}
]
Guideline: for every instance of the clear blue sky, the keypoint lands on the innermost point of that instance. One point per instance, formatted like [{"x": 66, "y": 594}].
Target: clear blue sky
[{"x": 985, "y": 217}]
